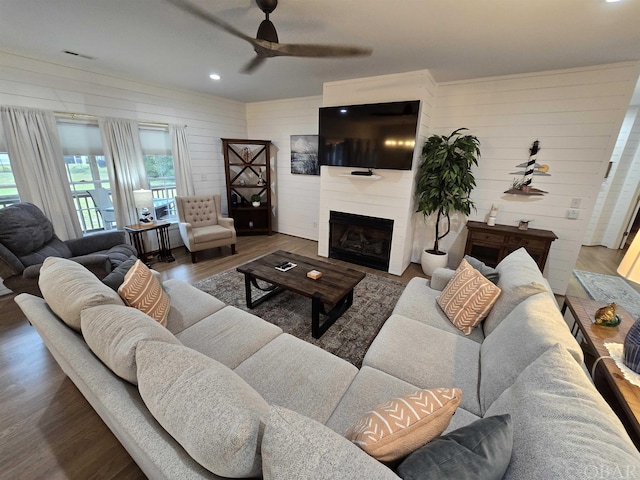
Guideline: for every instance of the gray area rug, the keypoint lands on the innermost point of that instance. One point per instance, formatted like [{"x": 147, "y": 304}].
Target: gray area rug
[
  {"x": 373, "y": 301},
  {"x": 609, "y": 288}
]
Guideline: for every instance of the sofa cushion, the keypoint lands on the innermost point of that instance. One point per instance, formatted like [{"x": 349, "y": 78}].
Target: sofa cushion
[
  {"x": 229, "y": 336},
  {"x": 400, "y": 425},
  {"x": 188, "y": 305},
  {"x": 69, "y": 288},
  {"x": 467, "y": 298},
  {"x": 210, "y": 233},
  {"x": 369, "y": 388},
  {"x": 204, "y": 406},
  {"x": 299, "y": 376},
  {"x": 526, "y": 333},
  {"x": 520, "y": 278},
  {"x": 295, "y": 446},
  {"x": 418, "y": 302},
  {"x": 114, "y": 279},
  {"x": 113, "y": 332},
  {"x": 427, "y": 357},
  {"x": 143, "y": 291},
  {"x": 480, "y": 450},
  {"x": 562, "y": 427}
]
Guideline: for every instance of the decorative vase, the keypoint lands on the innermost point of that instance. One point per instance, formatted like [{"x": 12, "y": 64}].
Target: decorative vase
[
  {"x": 631, "y": 349},
  {"x": 430, "y": 261}
]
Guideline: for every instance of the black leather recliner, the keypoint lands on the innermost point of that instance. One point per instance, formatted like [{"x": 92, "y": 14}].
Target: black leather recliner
[{"x": 27, "y": 238}]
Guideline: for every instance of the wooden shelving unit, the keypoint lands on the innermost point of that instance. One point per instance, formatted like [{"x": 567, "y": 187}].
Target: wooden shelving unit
[{"x": 248, "y": 173}]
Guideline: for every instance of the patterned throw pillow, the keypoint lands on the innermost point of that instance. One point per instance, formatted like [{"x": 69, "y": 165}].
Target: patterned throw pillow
[
  {"x": 142, "y": 290},
  {"x": 468, "y": 297},
  {"x": 395, "y": 429}
]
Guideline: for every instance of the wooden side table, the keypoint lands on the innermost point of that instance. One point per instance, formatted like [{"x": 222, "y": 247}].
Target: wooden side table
[
  {"x": 162, "y": 233},
  {"x": 595, "y": 336}
]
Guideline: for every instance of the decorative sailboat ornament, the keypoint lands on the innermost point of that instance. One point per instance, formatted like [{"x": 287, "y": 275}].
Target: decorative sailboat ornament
[{"x": 531, "y": 168}]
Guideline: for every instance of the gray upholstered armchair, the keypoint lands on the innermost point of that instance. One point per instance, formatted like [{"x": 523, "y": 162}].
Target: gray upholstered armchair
[
  {"x": 202, "y": 225},
  {"x": 27, "y": 238}
]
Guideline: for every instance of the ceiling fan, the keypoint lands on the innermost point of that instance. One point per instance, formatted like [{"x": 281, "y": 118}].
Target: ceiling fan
[{"x": 266, "y": 43}]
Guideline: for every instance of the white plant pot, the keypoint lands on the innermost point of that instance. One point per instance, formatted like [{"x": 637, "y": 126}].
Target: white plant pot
[
  {"x": 431, "y": 261},
  {"x": 255, "y": 204}
]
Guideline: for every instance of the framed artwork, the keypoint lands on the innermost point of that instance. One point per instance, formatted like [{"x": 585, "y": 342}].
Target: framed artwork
[{"x": 304, "y": 154}]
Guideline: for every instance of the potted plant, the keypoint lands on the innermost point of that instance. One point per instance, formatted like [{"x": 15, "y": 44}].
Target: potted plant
[
  {"x": 256, "y": 199},
  {"x": 443, "y": 186}
]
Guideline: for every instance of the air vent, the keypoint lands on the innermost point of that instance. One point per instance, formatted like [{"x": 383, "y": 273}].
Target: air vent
[{"x": 76, "y": 54}]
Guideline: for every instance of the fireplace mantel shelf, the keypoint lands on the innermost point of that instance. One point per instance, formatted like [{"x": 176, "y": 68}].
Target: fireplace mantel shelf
[{"x": 361, "y": 177}]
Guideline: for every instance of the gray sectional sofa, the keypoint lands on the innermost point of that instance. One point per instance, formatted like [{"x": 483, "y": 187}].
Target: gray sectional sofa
[{"x": 223, "y": 393}]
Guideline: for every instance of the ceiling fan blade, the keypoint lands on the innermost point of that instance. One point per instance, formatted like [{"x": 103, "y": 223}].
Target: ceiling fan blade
[
  {"x": 206, "y": 16},
  {"x": 253, "y": 65},
  {"x": 314, "y": 50}
]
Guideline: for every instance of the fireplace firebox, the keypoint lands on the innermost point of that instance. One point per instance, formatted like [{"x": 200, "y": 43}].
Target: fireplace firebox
[{"x": 360, "y": 239}]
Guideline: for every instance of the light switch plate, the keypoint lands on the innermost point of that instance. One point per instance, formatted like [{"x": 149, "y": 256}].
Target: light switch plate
[{"x": 573, "y": 214}]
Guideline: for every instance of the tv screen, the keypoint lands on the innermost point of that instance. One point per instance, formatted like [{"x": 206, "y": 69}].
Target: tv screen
[{"x": 380, "y": 135}]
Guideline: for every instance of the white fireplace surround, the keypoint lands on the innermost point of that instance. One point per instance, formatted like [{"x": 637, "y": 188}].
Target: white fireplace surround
[{"x": 392, "y": 195}]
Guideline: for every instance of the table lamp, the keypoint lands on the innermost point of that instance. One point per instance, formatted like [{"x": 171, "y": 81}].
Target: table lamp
[
  {"x": 630, "y": 269},
  {"x": 143, "y": 200}
]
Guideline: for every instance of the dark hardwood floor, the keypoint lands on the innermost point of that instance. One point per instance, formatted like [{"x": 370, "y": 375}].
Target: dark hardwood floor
[{"x": 48, "y": 430}]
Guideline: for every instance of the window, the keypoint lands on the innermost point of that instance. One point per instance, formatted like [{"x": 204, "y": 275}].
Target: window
[
  {"x": 89, "y": 180},
  {"x": 87, "y": 174},
  {"x": 158, "y": 162},
  {"x": 8, "y": 190}
]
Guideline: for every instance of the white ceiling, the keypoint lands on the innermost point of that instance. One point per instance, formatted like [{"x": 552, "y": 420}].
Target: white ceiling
[{"x": 454, "y": 39}]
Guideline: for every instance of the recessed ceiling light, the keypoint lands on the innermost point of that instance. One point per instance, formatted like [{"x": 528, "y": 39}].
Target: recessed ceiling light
[
  {"x": 612, "y": 1},
  {"x": 214, "y": 76}
]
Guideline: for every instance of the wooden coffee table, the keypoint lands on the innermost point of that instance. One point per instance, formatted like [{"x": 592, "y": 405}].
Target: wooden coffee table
[
  {"x": 595, "y": 336},
  {"x": 334, "y": 290}
]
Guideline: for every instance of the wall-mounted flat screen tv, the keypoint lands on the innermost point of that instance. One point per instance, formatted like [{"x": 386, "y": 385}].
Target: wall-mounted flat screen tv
[{"x": 379, "y": 135}]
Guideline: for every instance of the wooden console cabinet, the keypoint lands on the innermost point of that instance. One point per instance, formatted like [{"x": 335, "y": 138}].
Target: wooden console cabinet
[{"x": 492, "y": 244}]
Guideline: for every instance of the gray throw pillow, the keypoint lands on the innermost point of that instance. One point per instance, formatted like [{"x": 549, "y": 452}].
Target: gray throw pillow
[
  {"x": 479, "y": 450},
  {"x": 487, "y": 272},
  {"x": 116, "y": 277}
]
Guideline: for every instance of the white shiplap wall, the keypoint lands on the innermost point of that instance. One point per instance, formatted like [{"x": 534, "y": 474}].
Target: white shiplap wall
[
  {"x": 576, "y": 114},
  {"x": 32, "y": 83},
  {"x": 624, "y": 188},
  {"x": 609, "y": 191},
  {"x": 295, "y": 197}
]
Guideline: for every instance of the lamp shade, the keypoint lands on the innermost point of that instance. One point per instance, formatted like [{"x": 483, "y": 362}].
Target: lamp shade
[
  {"x": 630, "y": 266},
  {"x": 143, "y": 199}
]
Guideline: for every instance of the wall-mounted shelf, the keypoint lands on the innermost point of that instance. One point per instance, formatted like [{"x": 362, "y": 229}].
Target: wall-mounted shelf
[
  {"x": 533, "y": 191},
  {"x": 361, "y": 177}
]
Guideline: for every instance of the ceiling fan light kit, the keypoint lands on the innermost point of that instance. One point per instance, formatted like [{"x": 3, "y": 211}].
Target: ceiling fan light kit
[{"x": 266, "y": 43}]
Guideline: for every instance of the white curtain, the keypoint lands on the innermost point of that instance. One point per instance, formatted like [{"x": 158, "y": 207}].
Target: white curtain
[
  {"x": 37, "y": 162},
  {"x": 125, "y": 164},
  {"x": 181, "y": 160}
]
